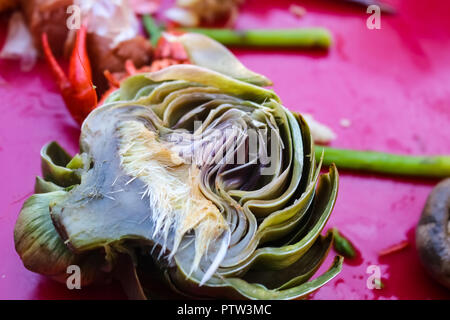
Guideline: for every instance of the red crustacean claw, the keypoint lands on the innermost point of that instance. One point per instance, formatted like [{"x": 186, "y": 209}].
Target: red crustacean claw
[{"x": 77, "y": 89}]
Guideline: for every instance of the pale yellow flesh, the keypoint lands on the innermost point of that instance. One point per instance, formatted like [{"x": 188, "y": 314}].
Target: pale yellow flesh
[{"x": 173, "y": 187}]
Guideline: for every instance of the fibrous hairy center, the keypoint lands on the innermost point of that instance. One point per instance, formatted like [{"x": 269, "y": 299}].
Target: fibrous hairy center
[{"x": 173, "y": 188}]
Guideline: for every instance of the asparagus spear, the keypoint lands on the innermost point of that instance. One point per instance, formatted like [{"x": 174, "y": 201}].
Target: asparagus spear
[
  {"x": 386, "y": 163},
  {"x": 296, "y": 37},
  {"x": 153, "y": 30},
  {"x": 292, "y": 38}
]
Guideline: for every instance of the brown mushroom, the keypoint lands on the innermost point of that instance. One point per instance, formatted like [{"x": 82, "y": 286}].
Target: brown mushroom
[
  {"x": 103, "y": 57},
  {"x": 433, "y": 234}
]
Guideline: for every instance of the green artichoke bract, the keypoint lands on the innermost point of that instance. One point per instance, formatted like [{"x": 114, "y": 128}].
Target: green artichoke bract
[{"x": 197, "y": 169}]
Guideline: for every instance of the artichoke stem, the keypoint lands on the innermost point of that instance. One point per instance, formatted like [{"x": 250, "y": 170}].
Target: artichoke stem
[{"x": 386, "y": 163}]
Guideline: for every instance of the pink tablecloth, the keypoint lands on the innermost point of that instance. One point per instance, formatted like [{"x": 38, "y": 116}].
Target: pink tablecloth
[{"x": 392, "y": 84}]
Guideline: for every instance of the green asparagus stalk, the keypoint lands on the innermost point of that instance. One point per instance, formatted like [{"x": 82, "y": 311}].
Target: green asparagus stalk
[
  {"x": 386, "y": 163},
  {"x": 292, "y": 38},
  {"x": 153, "y": 30}
]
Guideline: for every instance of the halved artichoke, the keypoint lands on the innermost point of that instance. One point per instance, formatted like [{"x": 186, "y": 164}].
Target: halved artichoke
[{"x": 199, "y": 175}]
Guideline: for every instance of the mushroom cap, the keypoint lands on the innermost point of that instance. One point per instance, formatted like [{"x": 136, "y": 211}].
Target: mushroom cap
[{"x": 433, "y": 234}]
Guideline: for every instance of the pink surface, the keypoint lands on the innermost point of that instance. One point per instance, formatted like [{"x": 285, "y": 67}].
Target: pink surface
[{"x": 393, "y": 85}]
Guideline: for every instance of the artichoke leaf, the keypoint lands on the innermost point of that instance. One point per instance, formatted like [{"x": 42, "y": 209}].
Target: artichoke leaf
[
  {"x": 297, "y": 273},
  {"x": 277, "y": 258},
  {"x": 282, "y": 222},
  {"x": 208, "y": 53},
  {"x": 54, "y": 161},
  {"x": 36, "y": 239},
  {"x": 42, "y": 186},
  {"x": 40, "y": 247},
  {"x": 212, "y": 78},
  {"x": 131, "y": 89},
  {"x": 281, "y": 257},
  {"x": 237, "y": 288},
  {"x": 255, "y": 291},
  {"x": 265, "y": 200}
]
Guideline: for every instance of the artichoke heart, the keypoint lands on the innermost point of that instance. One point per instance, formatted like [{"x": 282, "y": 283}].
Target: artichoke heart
[{"x": 199, "y": 170}]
